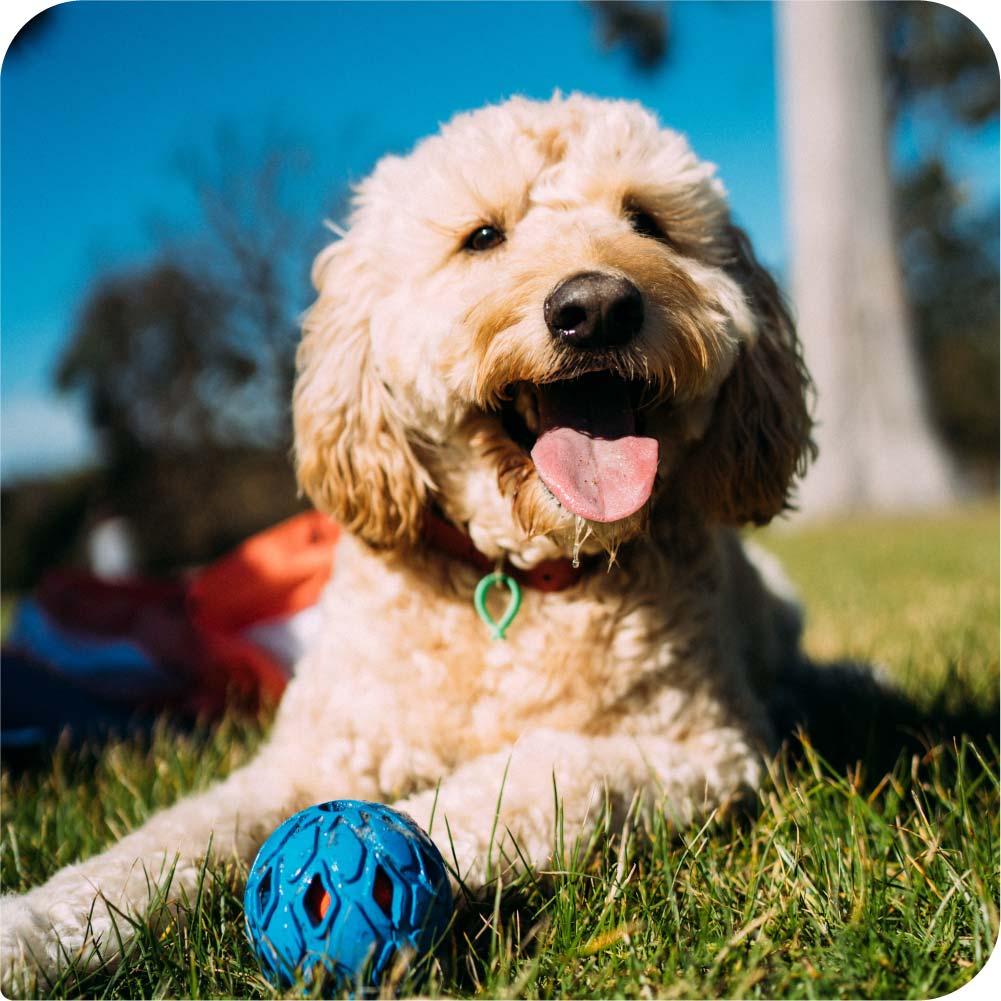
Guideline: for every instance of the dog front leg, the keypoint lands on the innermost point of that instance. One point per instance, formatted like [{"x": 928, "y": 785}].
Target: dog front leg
[
  {"x": 500, "y": 811},
  {"x": 81, "y": 915}
]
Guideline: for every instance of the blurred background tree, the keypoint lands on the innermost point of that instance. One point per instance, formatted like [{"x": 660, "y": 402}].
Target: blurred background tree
[
  {"x": 877, "y": 446},
  {"x": 197, "y": 350},
  {"x": 939, "y": 63},
  {"x": 152, "y": 354},
  {"x": 642, "y": 29},
  {"x": 186, "y": 366}
]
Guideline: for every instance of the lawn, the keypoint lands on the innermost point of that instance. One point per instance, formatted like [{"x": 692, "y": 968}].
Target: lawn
[{"x": 849, "y": 883}]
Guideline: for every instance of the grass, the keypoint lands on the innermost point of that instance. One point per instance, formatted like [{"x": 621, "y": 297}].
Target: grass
[{"x": 845, "y": 883}]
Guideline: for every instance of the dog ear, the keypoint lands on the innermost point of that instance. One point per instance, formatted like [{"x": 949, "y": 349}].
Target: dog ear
[
  {"x": 742, "y": 470},
  {"x": 353, "y": 458}
]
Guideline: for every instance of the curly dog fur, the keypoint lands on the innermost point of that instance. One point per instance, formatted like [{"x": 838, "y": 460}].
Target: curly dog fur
[{"x": 651, "y": 673}]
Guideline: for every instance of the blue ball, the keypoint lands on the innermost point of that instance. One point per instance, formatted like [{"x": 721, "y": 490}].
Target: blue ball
[{"x": 338, "y": 890}]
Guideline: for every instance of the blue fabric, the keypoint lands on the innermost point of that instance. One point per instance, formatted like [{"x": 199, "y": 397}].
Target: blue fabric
[{"x": 117, "y": 666}]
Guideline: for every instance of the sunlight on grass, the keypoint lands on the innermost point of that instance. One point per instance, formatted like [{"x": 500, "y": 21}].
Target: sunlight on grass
[{"x": 918, "y": 595}]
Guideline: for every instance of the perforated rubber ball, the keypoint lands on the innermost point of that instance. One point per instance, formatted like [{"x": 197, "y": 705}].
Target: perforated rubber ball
[{"x": 339, "y": 890}]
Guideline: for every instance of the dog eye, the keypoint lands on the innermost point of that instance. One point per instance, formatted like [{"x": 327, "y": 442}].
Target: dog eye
[
  {"x": 484, "y": 238},
  {"x": 645, "y": 224}
]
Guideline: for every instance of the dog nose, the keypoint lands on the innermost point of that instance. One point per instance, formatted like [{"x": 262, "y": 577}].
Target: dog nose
[{"x": 594, "y": 310}]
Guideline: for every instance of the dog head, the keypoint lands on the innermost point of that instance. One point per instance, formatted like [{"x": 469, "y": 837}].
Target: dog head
[{"x": 543, "y": 321}]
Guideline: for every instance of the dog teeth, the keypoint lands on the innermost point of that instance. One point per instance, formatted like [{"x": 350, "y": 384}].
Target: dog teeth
[{"x": 525, "y": 404}]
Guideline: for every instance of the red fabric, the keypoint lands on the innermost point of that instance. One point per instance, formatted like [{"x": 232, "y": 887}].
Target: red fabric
[
  {"x": 231, "y": 666},
  {"x": 273, "y": 574},
  {"x": 81, "y": 601},
  {"x": 149, "y": 612},
  {"x": 194, "y": 627}
]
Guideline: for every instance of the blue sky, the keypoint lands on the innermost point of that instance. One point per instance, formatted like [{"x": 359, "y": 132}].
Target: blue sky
[{"x": 97, "y": 108}]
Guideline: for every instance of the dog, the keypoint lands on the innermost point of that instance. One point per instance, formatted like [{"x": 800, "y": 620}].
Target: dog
[{"x": 542, "y": 355}]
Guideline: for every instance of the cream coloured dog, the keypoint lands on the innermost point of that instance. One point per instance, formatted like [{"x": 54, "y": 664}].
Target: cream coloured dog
[{"x": 541, "y": 345}]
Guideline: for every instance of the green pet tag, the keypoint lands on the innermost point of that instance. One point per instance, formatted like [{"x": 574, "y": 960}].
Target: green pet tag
[{"x": 497, "y": 579}]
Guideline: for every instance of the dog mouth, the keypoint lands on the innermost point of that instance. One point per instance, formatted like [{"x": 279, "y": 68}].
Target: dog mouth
[{"x": 586, "y": 438}]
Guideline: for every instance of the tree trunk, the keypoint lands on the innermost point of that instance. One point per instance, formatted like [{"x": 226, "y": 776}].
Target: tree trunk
[{"x": 877, "y": 447}]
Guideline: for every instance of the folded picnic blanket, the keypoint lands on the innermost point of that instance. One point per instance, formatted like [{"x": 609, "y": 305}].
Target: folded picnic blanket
[{"x": 84, "y": 651}]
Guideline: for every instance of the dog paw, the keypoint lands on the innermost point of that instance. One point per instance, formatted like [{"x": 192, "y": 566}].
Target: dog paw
[
  {"x": 464, "y": 848},
  {"x": 26, "y": 939},
  {"x": 41, "y": 935}
]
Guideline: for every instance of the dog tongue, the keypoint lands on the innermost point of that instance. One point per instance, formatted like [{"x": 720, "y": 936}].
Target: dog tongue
[{"x": 588, "y": 452}]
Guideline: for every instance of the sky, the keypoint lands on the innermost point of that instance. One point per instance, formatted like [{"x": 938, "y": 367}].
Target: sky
[{"x": 97, "y": 108}]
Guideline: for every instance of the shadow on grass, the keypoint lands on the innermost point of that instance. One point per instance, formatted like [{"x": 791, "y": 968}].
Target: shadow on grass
[{"x": 855, "y": 719}]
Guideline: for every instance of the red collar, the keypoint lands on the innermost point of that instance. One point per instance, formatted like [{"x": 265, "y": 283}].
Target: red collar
[{"x": 549, "y": 575}]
